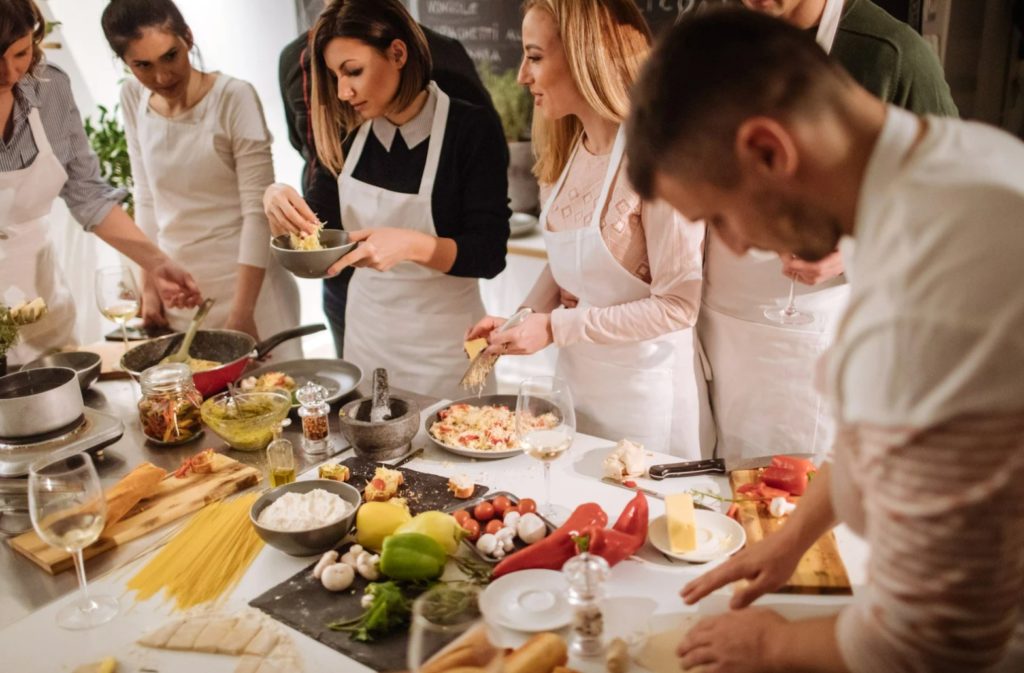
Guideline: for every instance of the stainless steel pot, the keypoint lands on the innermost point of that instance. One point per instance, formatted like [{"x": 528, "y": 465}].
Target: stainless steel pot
[{"x": 36, "y": 401}]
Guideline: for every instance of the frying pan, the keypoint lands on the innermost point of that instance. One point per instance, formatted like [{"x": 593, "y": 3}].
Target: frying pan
[{"x": 234, "y": 349}]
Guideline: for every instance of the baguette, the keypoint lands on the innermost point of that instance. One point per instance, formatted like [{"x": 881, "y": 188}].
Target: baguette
[
  {"x": 540, "y": 654},
  {"x": 124, "y": 495}
]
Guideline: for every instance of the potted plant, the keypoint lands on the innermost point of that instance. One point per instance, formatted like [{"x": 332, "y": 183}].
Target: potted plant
[
  {"x": 515, "y": 108},
  {"x": 11, "y": 319},
  {"x": 106, "y": 135}
]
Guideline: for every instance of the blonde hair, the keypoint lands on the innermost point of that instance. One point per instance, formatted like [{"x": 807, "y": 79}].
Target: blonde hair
[
  {"x": 606, "y": 42},
  {"x": 377, "y": 23}
]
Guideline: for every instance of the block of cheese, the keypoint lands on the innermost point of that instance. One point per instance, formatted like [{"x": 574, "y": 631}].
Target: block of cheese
[
  {"x": 474, "y": 347},
  {"x": 682, "y": 529}
]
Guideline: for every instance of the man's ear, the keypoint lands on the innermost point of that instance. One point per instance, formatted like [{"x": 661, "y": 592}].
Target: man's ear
[
  {"x": 766, "y": 147},
  {"x": 398, "y": 53}
]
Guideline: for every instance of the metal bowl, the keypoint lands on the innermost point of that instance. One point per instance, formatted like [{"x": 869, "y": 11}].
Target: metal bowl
[
  {"x": 312, "y": 263},
  {"x": 38, "y": 401},
  {"x": 86, "y": 365},
  {"x": 385, "y": 439},
  {"x": 316, "y": 540}
]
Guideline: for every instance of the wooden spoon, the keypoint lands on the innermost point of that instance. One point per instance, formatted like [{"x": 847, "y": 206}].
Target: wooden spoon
[{"x": 181, "y": 355}]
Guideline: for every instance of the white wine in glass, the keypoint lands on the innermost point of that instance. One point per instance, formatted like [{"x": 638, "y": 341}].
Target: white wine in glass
[
  {"x": 118, "y": 297},
  {"x": 545, "y": 427},
  {"x": 68, "y": 511}
]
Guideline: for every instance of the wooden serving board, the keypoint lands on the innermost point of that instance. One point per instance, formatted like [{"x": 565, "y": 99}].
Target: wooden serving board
[
  {"x": 174, "y": 498},
  {"x": 821, "y": 570}
]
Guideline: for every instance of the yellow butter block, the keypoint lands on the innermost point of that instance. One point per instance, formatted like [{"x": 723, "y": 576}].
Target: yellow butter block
[
  {"x": 474, "y": 347},
  {"x": 682, "y": 528}
]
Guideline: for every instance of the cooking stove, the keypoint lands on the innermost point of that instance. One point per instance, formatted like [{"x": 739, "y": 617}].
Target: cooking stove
[{"x": 92, "y": 432}]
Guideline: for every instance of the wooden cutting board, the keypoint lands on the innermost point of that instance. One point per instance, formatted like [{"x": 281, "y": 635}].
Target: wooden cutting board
[
  {"x": 821, "y": 570},
  {"x": 174, "y": 498}
]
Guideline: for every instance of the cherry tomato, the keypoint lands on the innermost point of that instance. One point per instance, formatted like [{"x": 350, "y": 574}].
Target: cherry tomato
[
  {"x": 484, "y": 511},
  {"x": 461, "y": 516},
  {"x": 501, "y": 503},
  {"x": 527, "y": 505},
  {"x": 509, "y": 510},
  {"x": 493, "y": 526},
  {"x": 472, "y": 528}
]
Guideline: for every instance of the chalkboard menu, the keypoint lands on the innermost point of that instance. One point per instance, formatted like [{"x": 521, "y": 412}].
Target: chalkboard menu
[{"x": 491, "y": 30}]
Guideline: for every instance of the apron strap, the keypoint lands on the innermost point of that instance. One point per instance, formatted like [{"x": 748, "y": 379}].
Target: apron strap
[
  {"x": 829, "y": 25},
  {"x": 35, "y": 122},
  {"x": 356, "y": 150},
  {"x": 437, "y": 130},
  {"x": 543, "y": 219}
]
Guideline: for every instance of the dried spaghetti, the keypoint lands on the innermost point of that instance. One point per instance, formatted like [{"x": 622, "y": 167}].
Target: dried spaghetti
[{"x": 205, "y": 559}]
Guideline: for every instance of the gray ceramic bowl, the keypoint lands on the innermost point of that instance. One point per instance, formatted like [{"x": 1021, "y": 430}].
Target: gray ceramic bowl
[
  {"x": 386, "y": 439},
  {"x": 316, "y": 540},
  {"x": 86, "y": 365},
  {"x": 312, "y": 263}
]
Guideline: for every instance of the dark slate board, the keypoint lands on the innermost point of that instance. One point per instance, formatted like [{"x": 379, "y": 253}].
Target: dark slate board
[
  {"x": 423, "y": 492},
  {"x": 302, "y": 603}
]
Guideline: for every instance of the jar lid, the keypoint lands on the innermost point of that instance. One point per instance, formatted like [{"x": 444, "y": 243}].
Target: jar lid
[{"x": 166, "y": 375}]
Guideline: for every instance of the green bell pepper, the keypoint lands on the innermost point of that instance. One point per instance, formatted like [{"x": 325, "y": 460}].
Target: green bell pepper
[{"x": 412, "y": 557}]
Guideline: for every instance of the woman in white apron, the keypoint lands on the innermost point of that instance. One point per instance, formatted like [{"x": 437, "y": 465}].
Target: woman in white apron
[
  {"x": 627, "y": 347},
  {"x": 422, "y": 187},
  {"x": 762, "y": 384},
  {"x": 201, "y": 158},
  {"x": 36, "y": 107}
]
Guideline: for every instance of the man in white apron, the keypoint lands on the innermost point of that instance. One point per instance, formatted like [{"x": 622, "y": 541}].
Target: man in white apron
[
  {"x": 28, "y": 262},
  {"x": 762, "y": 373},
  {"x": 645, "y": 391},
  {"x": 410, "y": 319}
]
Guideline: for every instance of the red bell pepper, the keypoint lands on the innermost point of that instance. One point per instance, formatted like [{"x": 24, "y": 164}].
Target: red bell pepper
[
  {"x": 796, "y": 464},
  {"x": 624, "y": 538},
  {"x": 785, "y": 479},
  {"x": 552, "y": 552}
]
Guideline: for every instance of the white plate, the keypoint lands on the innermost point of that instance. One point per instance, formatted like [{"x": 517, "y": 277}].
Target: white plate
[
  {"x": 528, "y": 600},
  {"x": 337, "y": 376},
  {"x": 718, "y": 536},
  {"x": 479, "y": 401}
]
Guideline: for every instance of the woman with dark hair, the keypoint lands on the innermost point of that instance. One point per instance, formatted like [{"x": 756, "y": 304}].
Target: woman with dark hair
[
  {"x": 45, "y": 154},
  {"x": 200, "y": 153},
  {"x": 418, "y": 188}
]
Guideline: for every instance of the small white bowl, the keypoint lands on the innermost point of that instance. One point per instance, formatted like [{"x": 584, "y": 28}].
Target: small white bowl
[{"x": 528, "y": 600}]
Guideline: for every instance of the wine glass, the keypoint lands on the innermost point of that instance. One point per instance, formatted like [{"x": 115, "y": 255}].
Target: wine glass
[
  {"x": 117, "y": 297},
  {"x": 68, "y": 511},
  {"x": 448, "y": 632},
  {"x": 789, "y": 315},
  {"x": 545, "y": 425}
]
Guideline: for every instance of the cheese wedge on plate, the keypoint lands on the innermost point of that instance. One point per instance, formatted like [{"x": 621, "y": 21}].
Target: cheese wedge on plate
[{"x": 682, "y": 528}]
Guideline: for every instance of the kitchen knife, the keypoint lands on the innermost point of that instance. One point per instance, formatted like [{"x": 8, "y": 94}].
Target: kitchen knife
[
  {"x": 648, "y": 492},
  {"x": 712, "y": 466}
]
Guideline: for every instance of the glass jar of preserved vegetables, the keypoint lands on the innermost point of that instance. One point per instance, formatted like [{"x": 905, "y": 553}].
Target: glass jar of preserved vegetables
[{"x": 169, "y": 408}]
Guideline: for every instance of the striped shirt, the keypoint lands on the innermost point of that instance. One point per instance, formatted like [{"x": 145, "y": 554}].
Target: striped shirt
[{"x": 88, "y": 196}]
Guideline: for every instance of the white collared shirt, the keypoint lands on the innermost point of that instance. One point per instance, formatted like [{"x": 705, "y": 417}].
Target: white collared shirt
[{"x": 414, "y": 131}]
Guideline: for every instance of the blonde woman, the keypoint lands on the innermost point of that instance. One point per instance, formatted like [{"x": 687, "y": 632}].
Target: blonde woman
[
  {"x": 627, "y": 271},
  {"x": 422, "y": 187}
]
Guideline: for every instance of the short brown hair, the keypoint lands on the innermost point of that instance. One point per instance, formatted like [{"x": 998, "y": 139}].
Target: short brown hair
[
  {"x": 706, "y": 76},
  {"x": 18, "y": 18},
  {"x": 376, "y": 23}
]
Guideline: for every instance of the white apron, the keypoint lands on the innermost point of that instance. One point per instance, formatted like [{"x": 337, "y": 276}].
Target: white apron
[
  {"x": 199, "y": 214},
  {"x": 647, "y": 391},
  {"x": 411, "y": 319},
  {"x": 28, "y": 263},
  {"x": 762, "y": 373}
]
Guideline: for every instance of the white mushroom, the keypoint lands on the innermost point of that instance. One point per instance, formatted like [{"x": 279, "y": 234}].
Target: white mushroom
[
  {"x": 352, "y": 555},
  {"x": 487, "y": 543},
  {"x": 327, "y": 559},
  {"x": 337, "y": 577},
  {"x": 512, "y": 519},
  {"x": 366, "y": 565},
  {"x": 531, "y": 528},
  {"x": 780, "y": 507},
  {"x": 506, "y": 538},
  {"x": 499, "y": 553}
]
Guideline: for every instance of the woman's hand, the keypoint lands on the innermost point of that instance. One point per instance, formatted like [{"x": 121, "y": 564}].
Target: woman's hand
[
  {"x": 288, "y": 212},
  {"x": 484, "y": 327},
  {"x": 735, "y": 642},
  {"x": 380, "y": 248},
  {"x": 152, "y": 308},
  {"x": 243, "y": 322},
  {"x": 567, "y": 299},
  {"x": 532, "y": 335}
]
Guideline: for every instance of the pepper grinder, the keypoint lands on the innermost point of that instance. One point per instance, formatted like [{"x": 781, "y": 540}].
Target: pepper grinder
[
  {"x": 586, "y": 574},
  {"x": 314, "y": 414}
]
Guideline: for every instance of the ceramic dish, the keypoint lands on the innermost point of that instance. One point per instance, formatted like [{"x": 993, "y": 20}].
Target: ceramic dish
[
  {"x": 528, "y": 600},
  {"x": 483, "y": 400},
  {"x": 337, "y": 376},
  {"x": 473, "y": 502},
  {"x": 313, "y": 540},
  {"x": 718, "y": 537},
  {"x": 312, "y": 263}
]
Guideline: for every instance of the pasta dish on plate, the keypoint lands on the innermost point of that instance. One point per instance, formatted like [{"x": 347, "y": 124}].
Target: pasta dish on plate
[{"x": 482, "y": 428}]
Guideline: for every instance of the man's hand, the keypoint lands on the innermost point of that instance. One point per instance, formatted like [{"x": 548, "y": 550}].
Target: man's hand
[
  {"x": 812, "y": 273},
  {"x": 736, "y": 642},
  {"x": 175, "y": 286},
  {"x": 152, "y": 309},
  {"x": 287, "y": 212}
]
